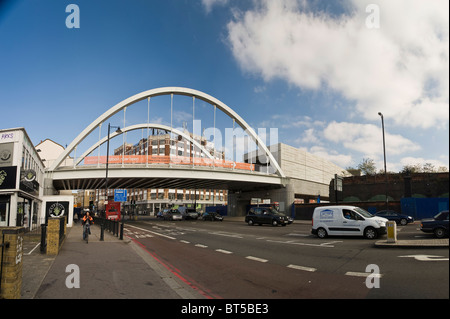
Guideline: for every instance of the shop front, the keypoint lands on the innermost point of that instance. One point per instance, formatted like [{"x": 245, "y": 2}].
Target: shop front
[{"x": 21, "y": 180}]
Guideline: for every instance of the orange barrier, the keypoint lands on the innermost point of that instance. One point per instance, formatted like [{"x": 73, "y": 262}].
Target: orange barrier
[{"x": 179, "y": 160}]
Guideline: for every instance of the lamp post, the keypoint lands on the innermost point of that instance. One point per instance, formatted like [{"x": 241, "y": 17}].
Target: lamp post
[
  {"x": 118, "y": 131},
  {"x": 384, "y": 152}
]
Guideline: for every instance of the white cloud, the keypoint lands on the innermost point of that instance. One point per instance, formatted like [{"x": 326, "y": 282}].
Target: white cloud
[
  {"x": 400, "y": 69},
  {"x": 367, "y": 139},
  {"x": 332, "y": 156},
  {"x": 259, "y": 89},
  {"x": 209, "y": 4},
  {"x": 310, "y": 136}
]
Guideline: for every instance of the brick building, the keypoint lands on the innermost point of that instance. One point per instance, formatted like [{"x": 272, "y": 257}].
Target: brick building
[{"x": 373, "y": 187}]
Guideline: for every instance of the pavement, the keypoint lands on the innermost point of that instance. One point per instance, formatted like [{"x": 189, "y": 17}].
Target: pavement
[
  {"x": 108, "y": 269},
  {"x": 119, "y": 269}
]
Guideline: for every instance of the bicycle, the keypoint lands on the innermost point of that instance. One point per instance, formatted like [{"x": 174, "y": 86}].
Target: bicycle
[{"x": 86, "y": 233}]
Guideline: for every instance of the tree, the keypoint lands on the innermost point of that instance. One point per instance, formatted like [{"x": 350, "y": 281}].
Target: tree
[
  {"x": 367, "y": 166},
  {"x": 423, "y": 168}
]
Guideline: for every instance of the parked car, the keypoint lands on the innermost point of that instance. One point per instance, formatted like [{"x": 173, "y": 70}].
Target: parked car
[
  {"x": 173, "y": 215},
  {"x": 266, "y": 215},
  {"x": 188, "y": 213},
  {"x": 212, "y": 216},
  {"x": 162, "y": 213},
  {"x": 290, "y": 220},
  {"x": 396, "y": 217},
  {"x": 437, "y": 225}
]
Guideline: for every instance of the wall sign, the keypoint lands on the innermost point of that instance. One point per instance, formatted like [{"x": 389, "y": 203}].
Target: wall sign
[
  {"x": 57, "y": 209},
  {"x": 8, "y": 177},
  {"x": 6, "y": 154},
  {"x": 28, "y": 182}
]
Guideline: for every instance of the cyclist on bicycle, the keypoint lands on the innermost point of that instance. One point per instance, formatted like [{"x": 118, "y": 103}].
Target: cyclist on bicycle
[{"x": 86, "y": 221}]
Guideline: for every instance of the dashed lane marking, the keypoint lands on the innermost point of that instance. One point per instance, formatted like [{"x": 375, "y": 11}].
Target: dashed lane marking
[
  {"x": 310, "y": 269},
  {"x": 224, "y": 251},
  {"x": 363, "y": 274},
  {"x": 257, "y": 259}
]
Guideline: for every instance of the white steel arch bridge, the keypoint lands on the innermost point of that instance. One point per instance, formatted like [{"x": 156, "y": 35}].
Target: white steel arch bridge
[{"x": 146, "y": 171}]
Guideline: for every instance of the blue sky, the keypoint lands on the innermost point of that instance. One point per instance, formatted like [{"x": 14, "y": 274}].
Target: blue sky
[{"x": 319, "y": 71}]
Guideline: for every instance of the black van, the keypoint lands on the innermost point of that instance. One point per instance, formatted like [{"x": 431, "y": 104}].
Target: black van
[{"x": 265, "y": 215}]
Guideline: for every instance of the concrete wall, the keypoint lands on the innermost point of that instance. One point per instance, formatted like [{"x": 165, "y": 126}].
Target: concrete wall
[
  {"x": 307, "y": 177},
  {"x": 299, "y": 164}
]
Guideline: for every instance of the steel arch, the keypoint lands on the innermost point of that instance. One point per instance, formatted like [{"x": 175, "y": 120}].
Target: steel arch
[
  {"x": 167, "y": 91},
  {"x": 142, "y": 126}
]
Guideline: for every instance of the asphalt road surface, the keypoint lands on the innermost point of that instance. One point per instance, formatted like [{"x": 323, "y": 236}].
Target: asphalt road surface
[{"x": 232, "y": 260}]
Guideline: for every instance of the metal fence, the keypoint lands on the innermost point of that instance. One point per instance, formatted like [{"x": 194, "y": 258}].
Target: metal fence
[{"x": 115, "y": 227}]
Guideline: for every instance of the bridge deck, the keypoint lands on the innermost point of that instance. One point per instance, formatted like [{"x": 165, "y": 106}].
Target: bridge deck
[{"x": 162, "y": 176}]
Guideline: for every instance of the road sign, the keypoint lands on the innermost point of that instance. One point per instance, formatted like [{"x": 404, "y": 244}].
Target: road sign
[{"x": 120, "y": 195}]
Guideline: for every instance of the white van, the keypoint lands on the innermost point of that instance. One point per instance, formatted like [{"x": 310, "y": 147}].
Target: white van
[{"x": 346, "y": 221}]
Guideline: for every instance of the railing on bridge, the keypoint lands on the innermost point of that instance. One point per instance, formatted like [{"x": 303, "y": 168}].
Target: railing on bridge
[{"x": 176, "y": 160}]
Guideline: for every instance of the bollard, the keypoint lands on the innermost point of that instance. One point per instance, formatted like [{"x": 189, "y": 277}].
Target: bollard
[
  {"x": 391, "y": 232},
  {"x": 121, "y": 231},
  {"x": 43, "y": 248},
  {"x": 102, "y": 232}
]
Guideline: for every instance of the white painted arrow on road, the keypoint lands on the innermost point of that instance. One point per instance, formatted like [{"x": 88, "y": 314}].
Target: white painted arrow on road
[{"x": 427, "y": 257}]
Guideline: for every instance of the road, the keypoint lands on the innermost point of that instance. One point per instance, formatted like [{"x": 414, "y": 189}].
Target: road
[{"x": 232, "y": 260}]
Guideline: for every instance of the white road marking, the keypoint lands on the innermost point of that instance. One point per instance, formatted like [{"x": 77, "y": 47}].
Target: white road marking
[
  {"x": 226, "y": 234},
  {"x": 224, "y": 251},
  {"x": 139, "y": 235},
  {"x": 185, "y": 241},
  {"x": 427, "y": 257},
  {"x": 363, "y": 274},
  {"x": 155, "y": 233},
  {"x": 310, "y": 269},
  {"x": 257, "y": 259},
  {"x": 33, "y": 249},
  {"x": 298, "y": 235},
  {"x": 291, "y": 242},
  {"x": 201, "y": 246}
]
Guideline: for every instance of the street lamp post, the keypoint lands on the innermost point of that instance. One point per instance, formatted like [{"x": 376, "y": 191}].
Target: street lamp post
[
  {"x": 384, "y": 152},
  {"x": 118, "y": 131}
]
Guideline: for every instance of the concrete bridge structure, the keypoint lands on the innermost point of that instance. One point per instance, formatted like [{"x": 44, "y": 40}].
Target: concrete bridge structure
[{"x": 307, "y": 175}]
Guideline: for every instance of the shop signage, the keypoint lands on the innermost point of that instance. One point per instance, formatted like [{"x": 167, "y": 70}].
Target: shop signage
[
  {"x": 8, "y": 177},
  {"x": 7, "y": 136},
  {"x": 28, "y": 181},
  {"x": 57, "y": 209},
  {"x": 6, "y": 154}
]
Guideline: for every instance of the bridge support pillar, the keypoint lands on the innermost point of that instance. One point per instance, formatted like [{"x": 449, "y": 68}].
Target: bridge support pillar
[{"x": 239, "y": 200}]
